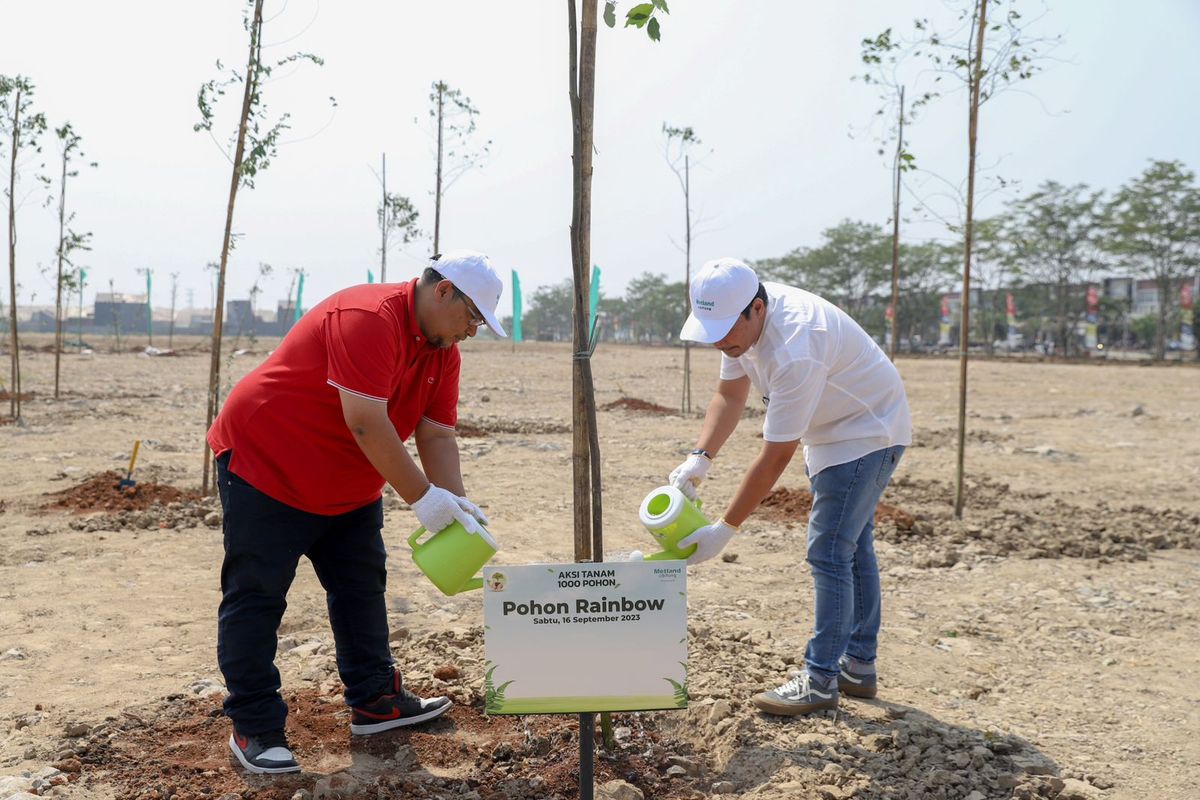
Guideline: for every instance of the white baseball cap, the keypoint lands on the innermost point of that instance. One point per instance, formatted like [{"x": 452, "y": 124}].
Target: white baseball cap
[
  {"x": 720, "y": 291},
  {"x": 472, "y": 274}
]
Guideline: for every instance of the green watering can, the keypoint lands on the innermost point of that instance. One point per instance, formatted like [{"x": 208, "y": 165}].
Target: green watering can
[
  {"x": 671, "y": 517},
  {"x": 452, "y": 557}
]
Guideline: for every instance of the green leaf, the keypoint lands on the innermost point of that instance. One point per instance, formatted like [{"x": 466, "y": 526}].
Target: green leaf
[
  {"x": 652, "y": 30},
  {"x": 610, "y": 14},
  {"x": 661, "y": 5},
  {"x": 639, "y": 15}
]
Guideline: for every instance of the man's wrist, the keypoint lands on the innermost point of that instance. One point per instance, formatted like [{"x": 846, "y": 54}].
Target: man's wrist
[
  {"x": 728, "y": 524},
  {"x": 700, "y": 451}
]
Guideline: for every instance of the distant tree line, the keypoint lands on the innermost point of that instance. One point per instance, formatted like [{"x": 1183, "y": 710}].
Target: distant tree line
[{"x": 1044, "y": 248}]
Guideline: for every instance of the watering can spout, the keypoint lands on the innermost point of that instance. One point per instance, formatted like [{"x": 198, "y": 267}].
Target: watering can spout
[{"x": 474, "y": 583}]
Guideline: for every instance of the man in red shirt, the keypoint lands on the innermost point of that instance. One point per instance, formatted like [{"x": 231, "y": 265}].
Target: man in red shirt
[{"x": 304, "y": 445}]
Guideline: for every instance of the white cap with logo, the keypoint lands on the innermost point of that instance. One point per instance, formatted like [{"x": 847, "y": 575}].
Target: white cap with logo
[
  {"x": 472, "y": 274},
  {"x": 720, "y": 291}
]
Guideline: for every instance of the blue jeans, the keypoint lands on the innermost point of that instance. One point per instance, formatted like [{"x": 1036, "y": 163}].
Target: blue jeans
[
  {"x": 264, "y": 540},
  {"x": 841, "y": 552}
]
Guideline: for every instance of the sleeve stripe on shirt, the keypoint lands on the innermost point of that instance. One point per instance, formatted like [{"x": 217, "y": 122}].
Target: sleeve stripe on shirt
[
  {"x": 439, "y": 424},
  {"x": 358, "y": 394}
]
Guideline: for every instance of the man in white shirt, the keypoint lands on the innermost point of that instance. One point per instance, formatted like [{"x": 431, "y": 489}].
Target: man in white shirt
[{"x": 824, "y": 380}]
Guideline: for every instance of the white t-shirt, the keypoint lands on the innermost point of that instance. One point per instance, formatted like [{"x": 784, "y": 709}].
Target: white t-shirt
[{"x": 824, "y": 380}]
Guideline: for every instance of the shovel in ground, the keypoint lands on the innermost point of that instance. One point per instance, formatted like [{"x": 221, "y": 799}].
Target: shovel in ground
[{"x": 128, "y": 482}]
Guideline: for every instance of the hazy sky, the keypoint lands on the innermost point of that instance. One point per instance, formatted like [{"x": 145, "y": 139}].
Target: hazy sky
[{"x": 765, "y": 84}]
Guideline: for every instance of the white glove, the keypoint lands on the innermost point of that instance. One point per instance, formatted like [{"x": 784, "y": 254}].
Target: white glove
[
  {"x": 474, "y": 510},
  {"x": 687, "y": 476},
  {"x": 438, "y": 508},
  {"x": 709, "y": 540}
]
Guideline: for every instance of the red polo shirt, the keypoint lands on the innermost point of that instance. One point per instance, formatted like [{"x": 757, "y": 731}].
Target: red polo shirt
[{"x": 284, "y": 422}]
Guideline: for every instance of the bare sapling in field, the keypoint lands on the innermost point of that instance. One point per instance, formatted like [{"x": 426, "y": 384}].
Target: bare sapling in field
[
  {"x": 69, "y": 241},
  {"x": 453, "y": 117},
  {"x": 983, "y": 57},
  {"x": 23, "y": 128},
  {"x": 679, "y": 152},
  {"x": 397, "y": 218},
  {"x": 255, "y": 144}
]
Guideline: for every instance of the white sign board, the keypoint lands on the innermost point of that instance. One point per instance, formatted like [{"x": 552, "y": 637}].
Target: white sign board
[{"x": 574, "y": 638}]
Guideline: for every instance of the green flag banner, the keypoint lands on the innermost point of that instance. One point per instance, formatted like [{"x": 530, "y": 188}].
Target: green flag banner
[
  {"x": 149, "y": 309},
  {"x": 299, "y": 295},
  {"x": 82, "y": 281},
  {"x": 370, "y": 276},
  {"x": 516, "y": 319},
  {"x": 595, "y": 298}
]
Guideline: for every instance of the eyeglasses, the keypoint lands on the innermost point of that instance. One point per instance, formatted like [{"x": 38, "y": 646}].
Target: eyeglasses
[{"x": 476, "y": 318}]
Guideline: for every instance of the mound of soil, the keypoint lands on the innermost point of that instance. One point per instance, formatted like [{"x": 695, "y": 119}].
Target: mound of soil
[
  {"x": 490, "y": 424},
  {"x": 469, "y": 430},
  {"x": 102, "y": 492},
  {"x": 177, "y": 749},
  {"x": 1000, "y": 521},
  {"x": 794, "y": 505},
  {"x": 193, "y": 513},
  {"x": 868, "y": 750},
  {"x": 6, "y": 395},
  {"x": 640, "y": 406},
  {"x": 948, "y": 437}
]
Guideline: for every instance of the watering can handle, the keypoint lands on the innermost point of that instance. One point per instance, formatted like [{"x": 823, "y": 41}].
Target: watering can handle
[{"x": 412, "y": 540}]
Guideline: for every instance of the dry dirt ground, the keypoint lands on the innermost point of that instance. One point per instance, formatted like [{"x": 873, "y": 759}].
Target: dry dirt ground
[{"x": 1045, "y": 645}]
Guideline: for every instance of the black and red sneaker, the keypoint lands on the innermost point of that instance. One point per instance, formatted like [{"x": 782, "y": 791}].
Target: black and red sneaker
[
  {"x": 397, "y": 708},
  {"x": 265, "y": 753}
]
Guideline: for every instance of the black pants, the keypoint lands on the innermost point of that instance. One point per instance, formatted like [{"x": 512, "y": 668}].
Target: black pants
[{"x": 264, "y": 540}]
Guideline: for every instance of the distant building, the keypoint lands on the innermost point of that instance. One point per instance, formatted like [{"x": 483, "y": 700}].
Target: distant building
[
  {"x": 123, "y": 312},
  {"x": 1121, "y": 290},
  {"x": 239, "y": 317}
]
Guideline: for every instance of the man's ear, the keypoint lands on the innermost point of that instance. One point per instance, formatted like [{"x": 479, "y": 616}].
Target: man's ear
[{"x": 444, "y": 290}]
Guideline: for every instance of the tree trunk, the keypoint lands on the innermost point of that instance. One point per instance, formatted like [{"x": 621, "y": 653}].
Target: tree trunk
[
  {"x": 58, "y": 284},
  {"x": 214, "y": 369},
  {"x": 896, "y": 234},
  {"x": 585, "y": 452},
  {"x": 964, "y": 327},
  {"x": 585, "y": 442},
  {"x": 1160, "y": 327},
  {"x": 383, "y": 225},
  {"x": 14, "y": 385},
  {"x": 437, "y": 195},
  {"x": 81, "y": 312},
  {"x": 686, "y": 403},
  {"x": 1062, "y": 336}
]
